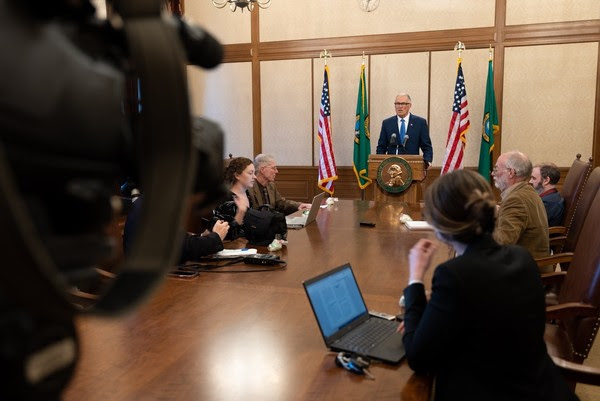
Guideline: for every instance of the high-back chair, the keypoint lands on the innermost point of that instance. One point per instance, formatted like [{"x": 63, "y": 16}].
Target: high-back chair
[
  {"x": 571, "y": 190},
  {"x": 575, "y": 373},
  {"x": 576, "y": 318},
  {"x": 567, "y": 243},
  {"x": 584, "y": 204}
]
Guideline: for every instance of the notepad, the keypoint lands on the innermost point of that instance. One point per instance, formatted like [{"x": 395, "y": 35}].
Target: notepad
[
  {"x": 234, "y": 253},
  {"x": 418, "y": 225}
]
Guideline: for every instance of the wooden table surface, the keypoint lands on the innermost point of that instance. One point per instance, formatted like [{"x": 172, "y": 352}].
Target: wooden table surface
[{"x": 253, "y": 336}]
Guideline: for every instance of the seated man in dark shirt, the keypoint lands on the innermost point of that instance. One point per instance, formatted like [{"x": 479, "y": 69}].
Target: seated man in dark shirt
[
  {"x": 194, "y": 246},
  {"x": 544, "y": 178}
]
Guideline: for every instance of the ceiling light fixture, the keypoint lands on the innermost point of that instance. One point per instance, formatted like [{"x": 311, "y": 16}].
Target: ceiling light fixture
[{"x": 241, "y": 4}]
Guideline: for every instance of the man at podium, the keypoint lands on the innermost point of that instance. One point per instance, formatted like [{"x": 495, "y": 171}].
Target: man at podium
[{"x": 405, "y": 133}]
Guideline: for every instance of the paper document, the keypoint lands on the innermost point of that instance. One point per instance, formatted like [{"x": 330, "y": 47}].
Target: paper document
[
  {"x": 418, "y": 225},
  {"x": 234, "y": 253}
]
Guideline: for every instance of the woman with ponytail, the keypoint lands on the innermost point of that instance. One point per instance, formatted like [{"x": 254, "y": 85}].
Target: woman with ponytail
[{"x": 482, "y": 331}]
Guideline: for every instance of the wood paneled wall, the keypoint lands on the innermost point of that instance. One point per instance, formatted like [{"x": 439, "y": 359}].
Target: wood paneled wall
[{"x": 300, "y": 183}]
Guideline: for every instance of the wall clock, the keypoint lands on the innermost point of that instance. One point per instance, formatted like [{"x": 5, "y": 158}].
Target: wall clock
[{"x": 368, "y": 5}]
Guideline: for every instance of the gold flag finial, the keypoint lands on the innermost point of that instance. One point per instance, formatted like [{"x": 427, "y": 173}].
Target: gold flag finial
[
  {"x": 460, "y": 46},
  {"x": 325, "y": 54}
]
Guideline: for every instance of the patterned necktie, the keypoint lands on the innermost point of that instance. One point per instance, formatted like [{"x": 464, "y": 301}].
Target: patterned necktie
[
  {"x": 402, "y": 131},
  {"x": 266, "y": 196}
]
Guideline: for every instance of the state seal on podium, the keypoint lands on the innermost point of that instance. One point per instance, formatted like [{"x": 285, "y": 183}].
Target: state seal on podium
[{"x": 394, "y": 175}]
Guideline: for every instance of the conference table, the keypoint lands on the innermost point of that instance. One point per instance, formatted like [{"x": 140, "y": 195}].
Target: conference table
[{"x": 230, "y": 334}]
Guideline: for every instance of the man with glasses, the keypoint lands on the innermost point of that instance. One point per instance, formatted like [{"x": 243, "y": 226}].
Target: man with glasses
[
  {"x": 264, "y": 191},
  {"x": 405, "y": 133},
  {"x": 521, "y": 217}
]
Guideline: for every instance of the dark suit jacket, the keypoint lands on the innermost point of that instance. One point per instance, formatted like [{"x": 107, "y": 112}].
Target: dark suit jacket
[
  {"x": 482, "y": 331},
  {"x": 193, "y": 247},
  {"x": 418, "y": 137},
  {"x": 276, "y": 201}
]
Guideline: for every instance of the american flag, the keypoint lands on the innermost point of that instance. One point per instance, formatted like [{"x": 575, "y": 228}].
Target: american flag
[
  {"x": 327, "y": 170},
  {"x": 459, "y": 125}
]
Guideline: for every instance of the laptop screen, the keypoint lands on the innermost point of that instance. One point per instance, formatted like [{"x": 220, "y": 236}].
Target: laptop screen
[{"x": 335, "y": 299}]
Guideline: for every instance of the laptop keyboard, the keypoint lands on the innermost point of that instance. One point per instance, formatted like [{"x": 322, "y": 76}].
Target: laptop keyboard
[{"x": 367, "y": 335}]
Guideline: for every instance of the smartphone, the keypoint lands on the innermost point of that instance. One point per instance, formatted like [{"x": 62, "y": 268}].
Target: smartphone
[{"x": 183, "y": 273}]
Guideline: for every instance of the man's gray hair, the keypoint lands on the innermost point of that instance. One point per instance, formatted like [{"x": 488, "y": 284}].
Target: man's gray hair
[
  {"x": 262, "y": 160},
  {"x": 520, "y": 163},
  {"x": 404, "y": 94}
]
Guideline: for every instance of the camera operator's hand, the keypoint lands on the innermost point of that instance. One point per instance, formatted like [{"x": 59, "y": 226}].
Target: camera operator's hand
[{"x": 221, "y": 228}]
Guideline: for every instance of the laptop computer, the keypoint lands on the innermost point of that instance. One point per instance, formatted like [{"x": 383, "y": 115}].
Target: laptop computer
[
  {"x": 304, "y": 220},
  {"x": 344, "y": 319}
]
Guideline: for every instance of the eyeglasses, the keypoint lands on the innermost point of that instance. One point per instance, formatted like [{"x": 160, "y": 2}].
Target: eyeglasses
[
  {"x": 273, "y": 167},
  {"x": 496, "y": 169},
  {"x": 401, "y": 104}
]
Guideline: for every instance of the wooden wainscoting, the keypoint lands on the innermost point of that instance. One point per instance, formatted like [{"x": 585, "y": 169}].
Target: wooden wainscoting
[{"x": 300, "y": 183}]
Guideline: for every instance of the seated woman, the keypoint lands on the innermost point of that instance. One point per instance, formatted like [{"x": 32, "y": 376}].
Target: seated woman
[
  {"x": 482, "y": 332},
  {"x": 239, "y": 175}
]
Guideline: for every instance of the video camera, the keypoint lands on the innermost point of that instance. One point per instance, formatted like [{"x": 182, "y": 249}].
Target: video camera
[
  {"x": 226, "y": 211},
  {"x": 83, "y": 104}
]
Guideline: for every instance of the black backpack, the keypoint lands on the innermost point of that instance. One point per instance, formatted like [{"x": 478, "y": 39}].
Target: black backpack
[{"x": 263, "y": 225}]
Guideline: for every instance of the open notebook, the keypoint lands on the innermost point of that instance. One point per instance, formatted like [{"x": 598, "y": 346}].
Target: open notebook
[
  {"x": 304, "y": 220},
  {"x": 344, "y": 319}
]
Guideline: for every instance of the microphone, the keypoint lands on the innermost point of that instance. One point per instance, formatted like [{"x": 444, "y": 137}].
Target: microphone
[
  {"x": 393, "y": 139},
  {"x": 404, "y": 141}
]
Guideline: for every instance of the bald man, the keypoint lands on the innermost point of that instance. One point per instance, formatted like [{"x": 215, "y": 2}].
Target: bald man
[{"x": 521, "y": 217}]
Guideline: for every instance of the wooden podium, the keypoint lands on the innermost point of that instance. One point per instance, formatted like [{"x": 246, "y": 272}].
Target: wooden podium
[{"x": 410, "y": 195}]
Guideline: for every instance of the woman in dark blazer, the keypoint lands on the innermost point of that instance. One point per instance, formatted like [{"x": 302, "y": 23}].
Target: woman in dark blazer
[{"x": 482, "y": 331}]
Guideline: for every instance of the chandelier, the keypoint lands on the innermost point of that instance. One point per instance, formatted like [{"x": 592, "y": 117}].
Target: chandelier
[{"x": 247, "y": 4}]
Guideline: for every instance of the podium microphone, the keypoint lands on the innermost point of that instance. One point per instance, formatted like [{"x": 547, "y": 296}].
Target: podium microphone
[
  {"x": 404, "y": 141},
  {"x": 393, "y": 142}
]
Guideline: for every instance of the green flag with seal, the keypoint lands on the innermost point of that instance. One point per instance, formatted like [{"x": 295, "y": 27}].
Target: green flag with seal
[
  {"x": 362, "y": 137},
  {"x": 490, "y": 125}
]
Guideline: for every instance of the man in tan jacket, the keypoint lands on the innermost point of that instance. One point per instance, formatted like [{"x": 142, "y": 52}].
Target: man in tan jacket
[
  {"x": 264, "y": 191},
  {"x": 522, "y": 217}
]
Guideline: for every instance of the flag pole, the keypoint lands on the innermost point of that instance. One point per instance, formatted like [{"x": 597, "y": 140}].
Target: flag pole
[
  {"x": 460, "y": 46},
  {"x": 327, "y": 167},
  {"x": 362, "y": 191},
  {"x": 490, "y": 126},
  {"x": 362, "y": 136},
  {"x": 459, "y": 122}
]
